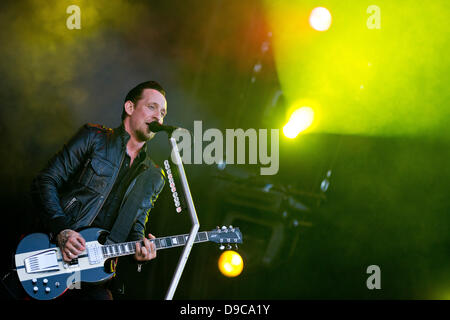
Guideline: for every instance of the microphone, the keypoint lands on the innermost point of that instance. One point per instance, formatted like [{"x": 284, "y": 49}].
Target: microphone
[{"x": 155, "y": 126}]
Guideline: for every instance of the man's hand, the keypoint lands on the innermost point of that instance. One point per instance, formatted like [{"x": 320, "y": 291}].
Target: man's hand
[
  {"x": 71, "y": 244},
  {"x": 148, "y": 252}
]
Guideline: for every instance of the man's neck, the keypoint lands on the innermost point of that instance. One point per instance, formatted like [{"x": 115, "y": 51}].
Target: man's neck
[{"x": 133, "y": 145}]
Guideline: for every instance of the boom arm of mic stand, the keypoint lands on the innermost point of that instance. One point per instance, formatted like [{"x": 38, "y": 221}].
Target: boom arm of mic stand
[{"x": 194, "y": 219}]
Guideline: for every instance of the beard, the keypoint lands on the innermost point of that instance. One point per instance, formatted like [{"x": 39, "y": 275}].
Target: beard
[{"x": 144, "y": 134}]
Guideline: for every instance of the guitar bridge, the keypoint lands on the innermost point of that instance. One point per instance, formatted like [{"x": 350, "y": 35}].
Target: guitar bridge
[{"x": 41, "y": 262}]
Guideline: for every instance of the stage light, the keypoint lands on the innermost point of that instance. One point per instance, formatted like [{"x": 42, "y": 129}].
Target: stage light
[
  {"x": 230, "y": 264},
  {"x": 320, "y": 19},
  {"x": 300, "y": 120}
]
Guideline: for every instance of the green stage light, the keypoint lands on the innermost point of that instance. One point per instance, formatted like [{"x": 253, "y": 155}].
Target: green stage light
[
  {"x": 299, "y": 121},
  {"x": 378, "y": 71}
]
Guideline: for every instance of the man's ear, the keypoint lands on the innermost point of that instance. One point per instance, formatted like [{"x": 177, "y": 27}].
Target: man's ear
[{"x": 129, "y": 107}]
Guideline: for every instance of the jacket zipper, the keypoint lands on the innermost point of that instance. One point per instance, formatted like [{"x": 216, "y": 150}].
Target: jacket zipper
[
  {"x": 72, "y": 201},
  {"x": 84, "y": 169},
  {"x": 104, "y": 199}
]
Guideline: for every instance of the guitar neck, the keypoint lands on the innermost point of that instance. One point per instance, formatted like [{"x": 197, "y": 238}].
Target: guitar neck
[{"x": 128, "y": 248}]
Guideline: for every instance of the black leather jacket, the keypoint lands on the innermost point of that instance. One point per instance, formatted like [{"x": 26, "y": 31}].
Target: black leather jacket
[{"x": 72, "y": 188}]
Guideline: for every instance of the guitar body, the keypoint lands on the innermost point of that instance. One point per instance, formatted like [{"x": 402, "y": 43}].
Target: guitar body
[{"x": 43, "y": 273}]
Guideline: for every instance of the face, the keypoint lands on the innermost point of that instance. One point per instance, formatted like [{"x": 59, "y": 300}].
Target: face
[{"x": 151, "y": 107}]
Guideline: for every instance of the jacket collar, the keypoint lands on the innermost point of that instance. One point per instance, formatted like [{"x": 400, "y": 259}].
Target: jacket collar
[{"x": 124, "y": 136}]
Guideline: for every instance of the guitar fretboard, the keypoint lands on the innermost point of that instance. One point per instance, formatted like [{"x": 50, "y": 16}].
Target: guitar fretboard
[{"x": 127, "y": 248}]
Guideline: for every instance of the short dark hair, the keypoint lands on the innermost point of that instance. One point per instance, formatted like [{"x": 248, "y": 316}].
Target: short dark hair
[{"x": 135, "y": 94}]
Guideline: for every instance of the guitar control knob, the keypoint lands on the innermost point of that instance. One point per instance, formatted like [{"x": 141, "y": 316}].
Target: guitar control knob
[
  {"x": 34, "y": 280},
  {"x": 45, "y": 281},
  {"x": 57, "y": 284},
  {"x": 47, "y": 290},
  {"x": 35, "y": 289}
]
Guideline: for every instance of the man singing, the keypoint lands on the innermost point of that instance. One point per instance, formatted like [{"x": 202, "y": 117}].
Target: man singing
[{"x": 104, "y": 178}]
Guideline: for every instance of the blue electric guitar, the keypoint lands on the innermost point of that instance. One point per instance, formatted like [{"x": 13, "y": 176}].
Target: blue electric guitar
[{"x": 45, "y": 275}]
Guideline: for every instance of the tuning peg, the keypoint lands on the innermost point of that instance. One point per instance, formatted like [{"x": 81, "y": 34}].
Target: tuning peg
[
  {"x": 224, "y": 228},
  {"x": 222, "y": 247},
  {"x": 236, "y": 246},
  {"x": 228, "y": 247}
]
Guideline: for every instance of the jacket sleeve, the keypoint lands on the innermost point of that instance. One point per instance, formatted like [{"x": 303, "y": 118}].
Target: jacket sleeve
[
  {"x": 59, "y": 169},
  {"x": 138, "y": 230}
]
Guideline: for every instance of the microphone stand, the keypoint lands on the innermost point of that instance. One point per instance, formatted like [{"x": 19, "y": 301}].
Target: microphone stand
[{"x": 193, "y": 215}]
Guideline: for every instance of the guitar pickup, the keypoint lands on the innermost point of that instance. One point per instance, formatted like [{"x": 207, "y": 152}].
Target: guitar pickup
[
  {"x": 94, "y": 252},
  {"x": 41, "y": 262}
]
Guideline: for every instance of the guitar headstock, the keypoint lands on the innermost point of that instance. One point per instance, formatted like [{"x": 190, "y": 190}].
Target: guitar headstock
[{"x": 225, "y": 236}]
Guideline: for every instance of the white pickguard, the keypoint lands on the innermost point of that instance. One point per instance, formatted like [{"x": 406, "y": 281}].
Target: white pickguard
[{"x": 83, "y": 263}]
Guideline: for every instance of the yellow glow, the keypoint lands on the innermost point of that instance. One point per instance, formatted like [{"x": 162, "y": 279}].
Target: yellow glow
[
  {"x": 320, "y": 19},
  {"x": 300, "y": 120},
  {"x": 230, "y": 264},
  {"x": 385, "y": 61}
]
